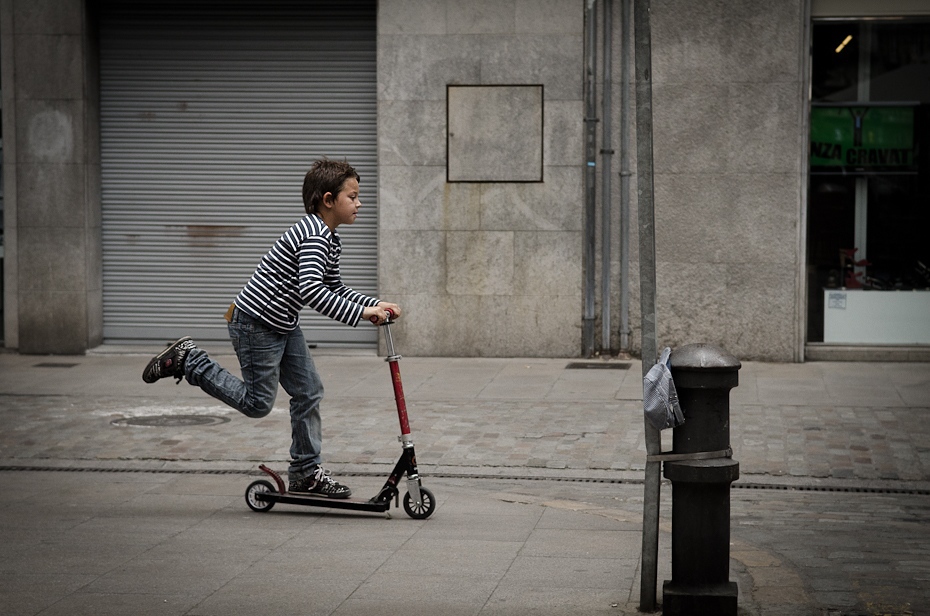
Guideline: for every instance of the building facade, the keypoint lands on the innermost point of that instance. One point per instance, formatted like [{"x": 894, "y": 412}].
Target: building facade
[{"x": 153, "y": 150}]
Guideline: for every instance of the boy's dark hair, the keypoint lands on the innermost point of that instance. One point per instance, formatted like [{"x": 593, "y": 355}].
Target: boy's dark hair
[{"x": 325, "y": 176}]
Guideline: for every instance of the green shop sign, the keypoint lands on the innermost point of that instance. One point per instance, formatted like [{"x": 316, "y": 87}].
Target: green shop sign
[{"x": 862, "y": 139}]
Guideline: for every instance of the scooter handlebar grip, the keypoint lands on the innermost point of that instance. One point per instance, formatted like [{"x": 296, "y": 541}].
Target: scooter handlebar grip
[{"x": 390, "y": 314}]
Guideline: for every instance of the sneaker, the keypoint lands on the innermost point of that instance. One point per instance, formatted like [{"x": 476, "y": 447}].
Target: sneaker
[
  {"x": 319, "y": 483},
  {"x": 169, "y": 362}
]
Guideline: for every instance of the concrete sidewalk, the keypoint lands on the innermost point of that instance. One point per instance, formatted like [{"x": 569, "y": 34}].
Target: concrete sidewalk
[{"x": 535, "y": 466}]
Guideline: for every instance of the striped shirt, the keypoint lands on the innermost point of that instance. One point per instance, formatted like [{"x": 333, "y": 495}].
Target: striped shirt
[{"x": 302, "y": 269}]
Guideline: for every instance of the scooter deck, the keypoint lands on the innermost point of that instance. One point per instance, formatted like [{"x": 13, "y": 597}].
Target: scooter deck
[{"x": 322, "y": 501}]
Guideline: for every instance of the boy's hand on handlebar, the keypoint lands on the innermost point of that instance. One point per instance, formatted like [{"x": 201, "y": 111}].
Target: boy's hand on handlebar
[
  {"x": 379, "y": 314},
  {"x": 375, "y": 314},
  {"x": 393, "y": 308}
]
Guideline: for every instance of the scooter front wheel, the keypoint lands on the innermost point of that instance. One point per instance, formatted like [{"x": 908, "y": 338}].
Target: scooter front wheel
[
  {"x": 252, "y": 499},
  {"x": 423, "y": 509}
]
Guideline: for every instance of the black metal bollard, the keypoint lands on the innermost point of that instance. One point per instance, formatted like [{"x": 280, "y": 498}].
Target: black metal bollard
[{"x": 701, "y": 470}]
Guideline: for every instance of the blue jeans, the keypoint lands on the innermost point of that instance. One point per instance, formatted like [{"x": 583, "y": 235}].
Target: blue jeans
[{"x": 267, "y": 357}]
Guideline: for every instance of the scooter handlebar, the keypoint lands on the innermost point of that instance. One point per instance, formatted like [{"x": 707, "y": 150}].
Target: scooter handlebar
[{"x": 390, "y": 318}]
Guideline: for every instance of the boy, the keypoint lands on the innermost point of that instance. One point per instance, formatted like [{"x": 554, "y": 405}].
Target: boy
[{"x": 301, "y": 269}]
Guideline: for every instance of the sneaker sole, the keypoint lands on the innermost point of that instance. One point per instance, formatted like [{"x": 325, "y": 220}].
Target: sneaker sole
[{"x": 155, "y": 359}]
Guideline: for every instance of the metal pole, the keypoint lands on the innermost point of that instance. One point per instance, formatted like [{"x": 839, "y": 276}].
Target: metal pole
[
  {"x": 590, "y": 177},
  {"x": 626, "y": 54},
  {"x": 647, "y": 275},
  {"x": 606, "y": 197}
]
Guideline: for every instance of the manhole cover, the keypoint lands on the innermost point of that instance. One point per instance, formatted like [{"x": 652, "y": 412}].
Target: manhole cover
[{"x": 170, "y": 421}]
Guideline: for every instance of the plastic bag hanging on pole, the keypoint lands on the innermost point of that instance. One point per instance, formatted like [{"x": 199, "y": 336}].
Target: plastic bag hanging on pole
[{"x": 660, "y": 400}]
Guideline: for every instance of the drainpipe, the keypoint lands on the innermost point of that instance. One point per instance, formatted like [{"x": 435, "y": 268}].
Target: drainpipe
[
  {"x": 606, "y": 197},
  {"x": 626, "y": 53},
  {"x": 590, "y": 208}
]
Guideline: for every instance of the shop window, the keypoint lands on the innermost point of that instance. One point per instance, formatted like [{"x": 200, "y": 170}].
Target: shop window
[{"x": 869, "y": 193}]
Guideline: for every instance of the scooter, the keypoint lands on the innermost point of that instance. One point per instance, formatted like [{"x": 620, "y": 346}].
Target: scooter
[{"x": 419, "y": 502}]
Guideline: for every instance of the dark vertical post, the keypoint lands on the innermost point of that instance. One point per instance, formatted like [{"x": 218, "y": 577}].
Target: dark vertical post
[
  {"x": 704, "y": 376},
  {"x": 647, "y": 286}
]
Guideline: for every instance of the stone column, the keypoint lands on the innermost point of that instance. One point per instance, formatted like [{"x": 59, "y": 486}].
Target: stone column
[{"x": 53, "y": 278}]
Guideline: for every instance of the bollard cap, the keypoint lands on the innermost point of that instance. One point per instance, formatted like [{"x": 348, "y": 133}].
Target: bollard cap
[
  {"x": 702, "y": 356},
  {"x": 704, "y": 366}
]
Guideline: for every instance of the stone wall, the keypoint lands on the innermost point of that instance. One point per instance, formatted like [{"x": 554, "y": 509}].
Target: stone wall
[
  {"x": 728, "y": 103},
  {"x": 495, "y": 268},
  {"x": 491, "y": 265}
]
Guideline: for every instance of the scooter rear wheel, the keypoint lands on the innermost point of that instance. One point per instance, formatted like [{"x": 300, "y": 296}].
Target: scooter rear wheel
[
  {"x": 251, "y": 495},
  {"x": 423, "y": 509}
]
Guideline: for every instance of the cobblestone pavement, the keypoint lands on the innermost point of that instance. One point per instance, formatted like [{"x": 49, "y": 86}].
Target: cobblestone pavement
[
  {"x": 828, "y": 517},
  {"x": 599, "y": 437},
  {"x": 863, "y": 422}
]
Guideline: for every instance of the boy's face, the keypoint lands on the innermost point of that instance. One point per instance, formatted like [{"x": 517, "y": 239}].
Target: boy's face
[{"x": 344, "y": 205}]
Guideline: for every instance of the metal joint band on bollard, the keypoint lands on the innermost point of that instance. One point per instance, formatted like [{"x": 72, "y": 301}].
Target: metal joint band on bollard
[{"x": 701, "y": 471}]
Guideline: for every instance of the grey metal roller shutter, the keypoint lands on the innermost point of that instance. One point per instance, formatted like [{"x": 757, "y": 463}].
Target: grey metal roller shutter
[{"x": 211, "y": 113}]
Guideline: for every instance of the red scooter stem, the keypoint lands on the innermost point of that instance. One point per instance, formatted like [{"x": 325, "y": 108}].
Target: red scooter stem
[{"x": 399, "y": 397}]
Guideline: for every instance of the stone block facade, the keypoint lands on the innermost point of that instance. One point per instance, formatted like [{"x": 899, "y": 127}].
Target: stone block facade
[{"x": 484, "y": 266}]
